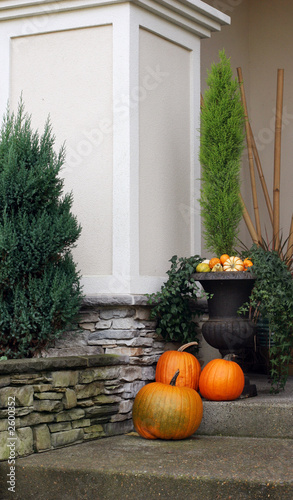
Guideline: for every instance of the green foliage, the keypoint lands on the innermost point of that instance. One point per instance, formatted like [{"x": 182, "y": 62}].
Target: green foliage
[
  {"x": 281, "y": 249},
  {"x": 40, "y": 291},
  {"x": 272, "y": 297},
  {"x": 221, "y": 146},
  {"x": 174, "y": 306}
]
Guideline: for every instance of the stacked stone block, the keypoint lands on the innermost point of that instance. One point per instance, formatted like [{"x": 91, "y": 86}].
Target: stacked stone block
[
  {"x": 110, "y": 324},
  {"x": 82, "y": 386},
  {"x": 63, "y": 401}
]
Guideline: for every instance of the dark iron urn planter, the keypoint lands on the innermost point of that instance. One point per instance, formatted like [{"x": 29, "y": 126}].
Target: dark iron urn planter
[{"x": 225, "y": 329}]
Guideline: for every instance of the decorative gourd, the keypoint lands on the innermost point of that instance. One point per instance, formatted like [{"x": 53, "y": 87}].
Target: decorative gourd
[
  {"x": 233, "y": 264},
  {"x": 203, "y": 267},
  {"x": 247, "y": 263},
  {"x": 223, "y": 258},
  {"x": 221, "y": 380},
  {"x": 218, "y": 268},
  {"x": 187, "y": 364},
  {"x": 166, "y": 412},
  {"x": 214, "y": 261}
]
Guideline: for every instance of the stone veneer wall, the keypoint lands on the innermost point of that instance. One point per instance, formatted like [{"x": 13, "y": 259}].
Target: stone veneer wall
[
  {"x": 83, "y": 386},
  {"x": 112, "y": 324},
  {"x": 62, "y": 401}
]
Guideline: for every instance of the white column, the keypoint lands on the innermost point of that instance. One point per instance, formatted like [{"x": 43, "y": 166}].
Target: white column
[{"x": 125, "y": 148}]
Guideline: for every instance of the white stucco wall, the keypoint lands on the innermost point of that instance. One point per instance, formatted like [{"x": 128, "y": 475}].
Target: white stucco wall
[
  {"x": 166, "y": 165},
  {"x": 121, "y": 83},
  {"x": 68, "y": 74}
]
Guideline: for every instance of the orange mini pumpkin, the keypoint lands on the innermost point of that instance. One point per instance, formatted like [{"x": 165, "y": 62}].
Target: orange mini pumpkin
[
  {"x": 221, "y": 380},
  {"x": 247, "y": 263},
  {"x": 223, "y": 258},
  {"x": 187, "y": 364},
  {"x": 233, "y": 264},
  {"x": 166, "y": 411},
  {"x": 214, "y": 261}
]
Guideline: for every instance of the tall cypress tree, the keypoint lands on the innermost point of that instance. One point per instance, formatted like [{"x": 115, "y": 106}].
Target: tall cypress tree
[
  {"x": 40, "y": 290},
  {"x": 221, "y": 146}
]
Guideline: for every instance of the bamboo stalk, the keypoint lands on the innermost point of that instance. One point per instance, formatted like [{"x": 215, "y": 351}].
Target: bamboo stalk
[
  {"x": 289, "y": 254},
  {"x": 277, "y": 159},
  {"x": 261, "y": 176},
  {"x": 250, "y": 156},
  {"x": 249, "y": 223}
]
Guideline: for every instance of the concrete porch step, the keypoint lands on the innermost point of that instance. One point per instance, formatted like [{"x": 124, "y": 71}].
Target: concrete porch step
[
  {"x": 266, "y": 415},
  {"x": 242, "y": 450},
  {"x": 131, "y": 468}
]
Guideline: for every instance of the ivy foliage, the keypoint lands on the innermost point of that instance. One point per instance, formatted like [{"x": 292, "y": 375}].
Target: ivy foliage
[
  {"x": 174, "y": 306},
  {"x": 221, "y": 146},
  {"x": 40, "y": 290},
  {"x": 272, "y": 297}
]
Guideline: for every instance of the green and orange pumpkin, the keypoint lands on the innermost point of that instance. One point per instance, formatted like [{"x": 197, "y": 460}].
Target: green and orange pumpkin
[{"x": 162, "y": 411}]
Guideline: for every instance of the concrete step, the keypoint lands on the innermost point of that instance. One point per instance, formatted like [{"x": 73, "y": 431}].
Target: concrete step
[
  {"x": 265, "y": 415},
  {"x": 132, "y": 468},
  {"x": 242, "y": 450}
]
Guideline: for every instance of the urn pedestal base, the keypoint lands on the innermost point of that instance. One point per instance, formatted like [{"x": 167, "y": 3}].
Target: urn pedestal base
[
  {"x": 225, "y": 329},
  {"x": 227, "y": 334}
]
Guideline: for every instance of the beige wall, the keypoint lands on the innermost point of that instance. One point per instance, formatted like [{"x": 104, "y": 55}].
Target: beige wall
[
  {"x": 271, "y": 41},
  {"x": 259, "y": 41},
  {"x": 165, "y": 163},
  {"x": 122, "y": 86},
  {"x": 44, "y": 67}
]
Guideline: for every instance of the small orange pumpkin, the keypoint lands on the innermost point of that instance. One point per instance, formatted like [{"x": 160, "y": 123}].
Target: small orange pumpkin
[
  {"x": 233, "y": 264},
  {"x": 223, "y": 258},
  {"x": 214, "y": 261},
  {"x": 221, "y": 380},
  {"x": 187, "y": 364},
  {"x": 166, "y": 411},
  {"x": 247, "y": 263}
]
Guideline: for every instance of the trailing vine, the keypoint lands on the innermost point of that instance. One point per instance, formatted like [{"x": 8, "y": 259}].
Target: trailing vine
[
  {"x": 272, "y": 297},
  {"x": 174, "y": 306}
]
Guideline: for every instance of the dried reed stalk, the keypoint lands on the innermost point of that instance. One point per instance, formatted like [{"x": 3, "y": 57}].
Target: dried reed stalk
[
  {"x": 261, "y": 176},
  {"x": 289, "y": 254},
  {"x": 248, "y": 222},
  {"x": 250, "y": 156},
  {"x": 277, "y": 159}
]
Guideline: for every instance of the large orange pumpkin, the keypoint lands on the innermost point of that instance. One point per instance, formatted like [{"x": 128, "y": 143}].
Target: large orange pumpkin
[
  {"x": 221, "y": 380},
  {"x": 187, "y": 364},
  {"x": 166, "y": 412}
]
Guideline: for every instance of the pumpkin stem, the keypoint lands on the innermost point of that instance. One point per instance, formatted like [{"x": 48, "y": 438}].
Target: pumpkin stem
[
  {"x": 183, "y": 347},
  {"x": 230, "y": 357},
  {"x": 173, "y": 381}
]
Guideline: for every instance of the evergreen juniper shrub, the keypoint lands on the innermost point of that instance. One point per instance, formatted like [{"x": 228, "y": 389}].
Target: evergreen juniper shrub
[
  {"x": 221, "y": 146},
  {"x": 40, "y": 292}
]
